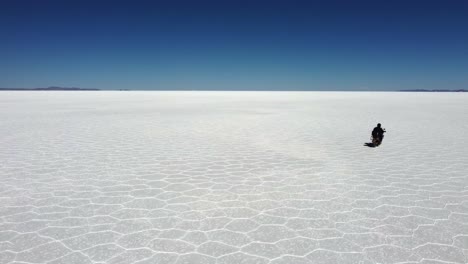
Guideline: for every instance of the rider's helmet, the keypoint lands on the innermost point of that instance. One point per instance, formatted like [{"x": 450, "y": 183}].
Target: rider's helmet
[{"x": 378, "y": 125}]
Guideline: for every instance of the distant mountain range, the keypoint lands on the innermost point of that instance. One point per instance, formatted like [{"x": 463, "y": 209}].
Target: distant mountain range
[
  {"x": 58, "y": 88},
  {"x": 51, "y": 88},
  {"x": 437, "y": 90}
]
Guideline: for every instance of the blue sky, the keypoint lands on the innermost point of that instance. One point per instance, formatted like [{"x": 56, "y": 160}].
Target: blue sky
[{"x": 246, "y": 45}]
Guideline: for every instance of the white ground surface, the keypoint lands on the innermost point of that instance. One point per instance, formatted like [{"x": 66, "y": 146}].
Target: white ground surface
[{"x": 233, "y": 177}]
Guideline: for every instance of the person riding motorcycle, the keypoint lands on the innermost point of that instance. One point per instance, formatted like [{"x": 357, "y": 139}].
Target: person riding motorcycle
[{"x": 378, "y": 134}]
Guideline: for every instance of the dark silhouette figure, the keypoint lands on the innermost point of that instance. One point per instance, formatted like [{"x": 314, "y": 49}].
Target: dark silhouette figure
[{"x": 377, "y": 136}]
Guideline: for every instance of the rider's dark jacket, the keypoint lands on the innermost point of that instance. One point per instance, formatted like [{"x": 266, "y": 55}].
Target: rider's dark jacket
[{"x": 378, "y": 132}]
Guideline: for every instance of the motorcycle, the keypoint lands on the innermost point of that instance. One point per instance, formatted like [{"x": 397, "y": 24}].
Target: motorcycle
[{"x": 376, "y": 140}]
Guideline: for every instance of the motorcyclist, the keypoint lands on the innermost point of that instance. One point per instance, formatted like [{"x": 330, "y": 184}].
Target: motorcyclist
[{"x": 378, "y": 132}]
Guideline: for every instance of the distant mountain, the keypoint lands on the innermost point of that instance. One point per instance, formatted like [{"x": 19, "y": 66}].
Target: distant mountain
[
  {"x": 437, "y": 90},
  {"x": 51, "y": 88}
]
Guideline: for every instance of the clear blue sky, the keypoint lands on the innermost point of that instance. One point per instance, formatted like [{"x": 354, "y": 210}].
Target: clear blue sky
[{"x": 257, "y": 45}]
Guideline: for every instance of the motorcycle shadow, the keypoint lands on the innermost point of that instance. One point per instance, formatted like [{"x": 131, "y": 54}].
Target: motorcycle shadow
[{"x": 372, "y": 144}]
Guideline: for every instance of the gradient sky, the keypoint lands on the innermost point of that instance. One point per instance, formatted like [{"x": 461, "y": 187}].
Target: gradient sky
[{"x": 248, "y": 45}]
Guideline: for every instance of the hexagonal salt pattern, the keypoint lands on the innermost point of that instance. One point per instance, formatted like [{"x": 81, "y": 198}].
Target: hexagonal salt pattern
[{"x": 232, "y": 177}]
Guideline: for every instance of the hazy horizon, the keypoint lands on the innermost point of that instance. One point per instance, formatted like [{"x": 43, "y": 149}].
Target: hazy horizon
[
  {"x": 214, "y": 89},
  {"x": 60, "y": 88}
]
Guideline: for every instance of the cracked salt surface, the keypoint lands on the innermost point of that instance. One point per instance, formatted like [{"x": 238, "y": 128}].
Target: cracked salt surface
[{"x": 232, "y": 177}]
